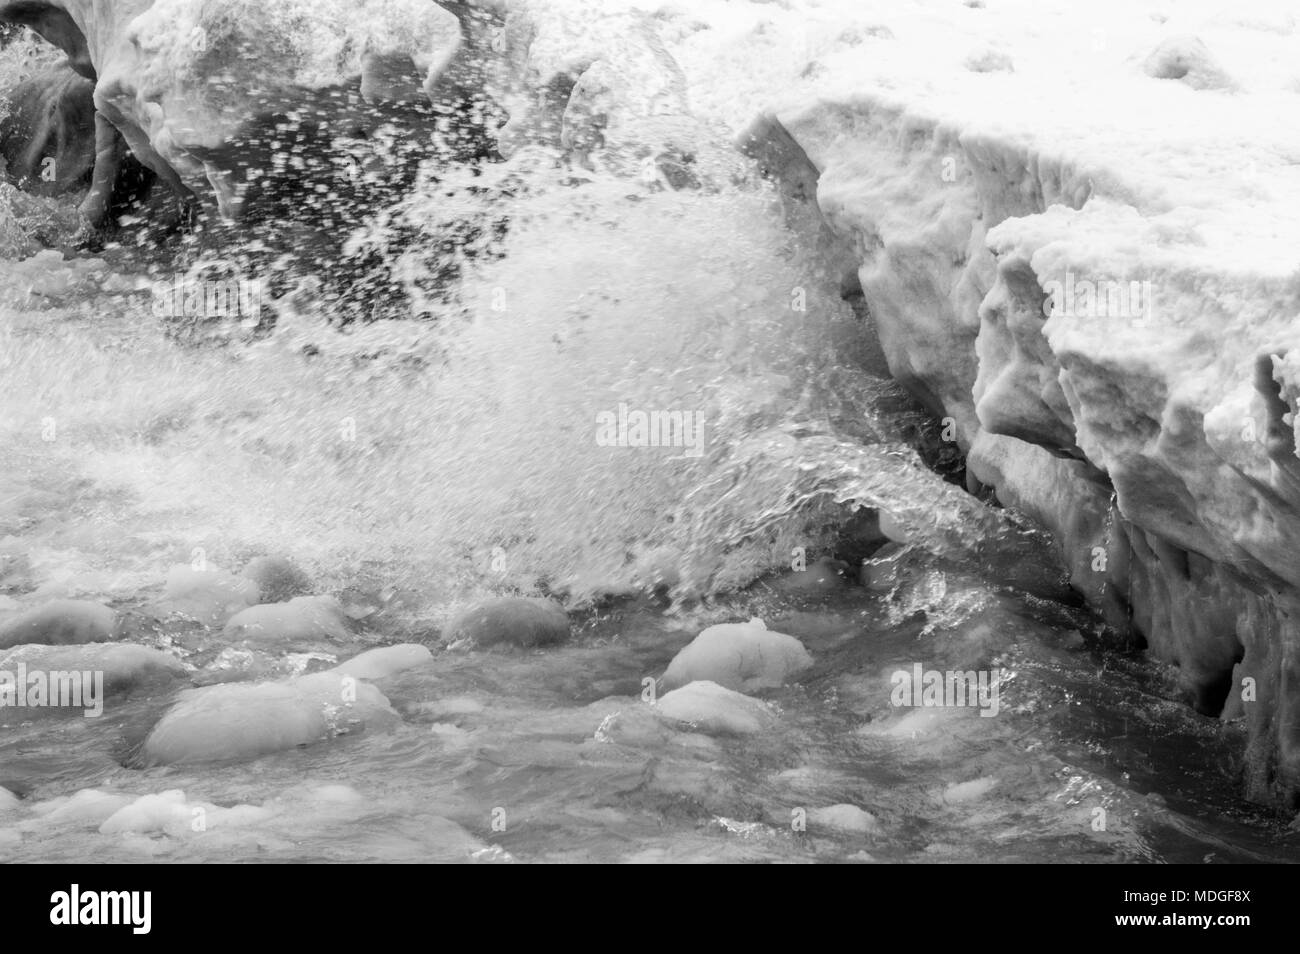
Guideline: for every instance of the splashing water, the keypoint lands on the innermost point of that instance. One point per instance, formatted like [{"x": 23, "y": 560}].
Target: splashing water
[{"x": 419, "y": 450}]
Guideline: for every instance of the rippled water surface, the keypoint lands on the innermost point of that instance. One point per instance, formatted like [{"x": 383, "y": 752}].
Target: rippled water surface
[{"x": 558, "y": 750}]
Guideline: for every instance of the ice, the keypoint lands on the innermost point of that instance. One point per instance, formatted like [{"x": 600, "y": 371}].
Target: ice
[
  {"x": 844, "y": 818},
  {"x": 739, "y": 656},
  {"x": 89, "y": 807},
  {"x": 959, "y": 792},
  {"x": 209, "y": 595},
  {"x": 303, "y": 618},
  {"x": 59, "y": 622},
  {"x": 385, "y": 661},
  {"x": 170, "y": 813},
  {"x": 241, "y": 721},
  {"x": 714, "y": 709},
  {"x": 999, "y": 222},
  {"x": 124, "y": 665}
]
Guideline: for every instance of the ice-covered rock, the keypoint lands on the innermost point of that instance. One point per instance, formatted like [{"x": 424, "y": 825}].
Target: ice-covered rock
[
  {"x": 715, "y": 710},
  {"x": 59, "y": 622},
  {"x": 517, "y": 620},
  {"x": 302, "y": 619},
  {"x": 124, "y": 665},
  {"x": 958, "y": 792},
  {"x": 385, "y": 661},
  {"x": 242, "y": 721},
  {"x": 171, "y": 813},
  {"x": 87, "y": 808},
  {"x": 278, "y": 579},
  {"x": 47, "y": 138},
  {"x": 210, "y": 596},
  {"x": 8, "y": 801},
  {"x": 180, "y": 80},
  {"x": 739, "y": 656},
  {"x": 844, "y": 817}
]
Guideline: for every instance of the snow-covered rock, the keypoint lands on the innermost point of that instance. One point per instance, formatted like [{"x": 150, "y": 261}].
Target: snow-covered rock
[{"x": 740, "y": 656}]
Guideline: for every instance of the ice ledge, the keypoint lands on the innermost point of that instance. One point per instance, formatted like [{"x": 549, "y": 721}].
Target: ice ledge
[{"x": 1123, "y": 324}]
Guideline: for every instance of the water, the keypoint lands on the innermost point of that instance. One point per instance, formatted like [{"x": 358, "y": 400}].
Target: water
[
  {"x": 559, "y": 747},
  {"x": 420, "y": 466}
]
